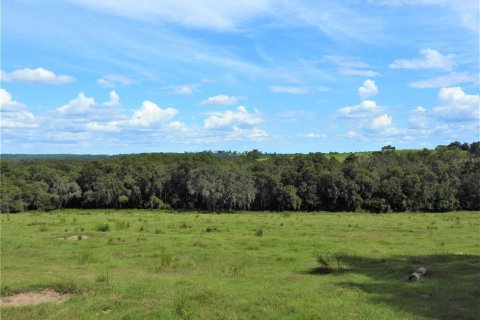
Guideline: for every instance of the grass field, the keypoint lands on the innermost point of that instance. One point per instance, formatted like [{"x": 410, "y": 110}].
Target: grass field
[{"x": 135, "y": 264}]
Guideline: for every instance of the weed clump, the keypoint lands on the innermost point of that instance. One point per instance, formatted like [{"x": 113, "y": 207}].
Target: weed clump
[
  {"x": 162, "y": 261},
  {"x": 104, "y": 276},
  {"x": 259, "y": 233},
  {"x": 103, "y": 227},
  {"x": 185, "y": 226}
]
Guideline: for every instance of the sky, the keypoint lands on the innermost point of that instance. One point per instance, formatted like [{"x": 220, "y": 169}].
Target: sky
[{"x": 286, "y": 76}]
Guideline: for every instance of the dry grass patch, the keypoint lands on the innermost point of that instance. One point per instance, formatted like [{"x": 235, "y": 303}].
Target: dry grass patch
[{"x": 34, "y": 298}]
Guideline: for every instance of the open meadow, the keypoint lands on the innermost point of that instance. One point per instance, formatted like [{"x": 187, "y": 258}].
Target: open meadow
[{"x": 139, "y": 264}]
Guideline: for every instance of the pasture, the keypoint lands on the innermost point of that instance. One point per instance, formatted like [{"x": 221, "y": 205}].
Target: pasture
[{"x": 137, "y": 264}]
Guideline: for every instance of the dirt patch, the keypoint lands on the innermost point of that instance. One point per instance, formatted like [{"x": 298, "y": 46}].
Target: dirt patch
[
  {"x": 33, "y": 298},
  {"x": 75, "y": 237}
]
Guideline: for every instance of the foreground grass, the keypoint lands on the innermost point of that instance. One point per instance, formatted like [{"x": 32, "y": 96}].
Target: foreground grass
[{"x": 137, "y": 264}]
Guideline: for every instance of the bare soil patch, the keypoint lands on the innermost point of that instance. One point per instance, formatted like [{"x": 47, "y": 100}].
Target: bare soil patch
[{"x": 33, "y": 298}]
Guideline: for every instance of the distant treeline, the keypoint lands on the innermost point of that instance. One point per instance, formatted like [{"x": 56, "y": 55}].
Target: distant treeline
[{"x": 444, "y": 179}]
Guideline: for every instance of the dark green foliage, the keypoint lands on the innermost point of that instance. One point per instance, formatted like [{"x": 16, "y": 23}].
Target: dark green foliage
[
  {"x": 103, "y": 227},
  {"x": 443, "y": 179}
]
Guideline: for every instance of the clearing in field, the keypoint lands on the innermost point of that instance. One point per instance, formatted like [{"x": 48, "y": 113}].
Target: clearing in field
[{"x": 136, "y": 264}]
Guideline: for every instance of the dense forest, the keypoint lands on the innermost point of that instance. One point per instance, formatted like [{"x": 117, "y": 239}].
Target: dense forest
[{"x": 444, "y": 179}]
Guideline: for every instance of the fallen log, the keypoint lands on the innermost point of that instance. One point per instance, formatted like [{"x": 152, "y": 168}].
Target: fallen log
[{"x": 418, "y": 274}]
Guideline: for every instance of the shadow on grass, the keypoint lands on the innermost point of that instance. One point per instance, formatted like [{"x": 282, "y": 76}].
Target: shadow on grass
[{"x": 449, "y": 290}]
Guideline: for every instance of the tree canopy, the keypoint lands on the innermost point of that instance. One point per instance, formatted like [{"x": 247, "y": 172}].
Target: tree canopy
[{"x": 444, "y": 179}]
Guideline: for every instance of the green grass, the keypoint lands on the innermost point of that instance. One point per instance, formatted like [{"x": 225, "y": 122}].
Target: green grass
[{"x": 166, "y": 265}]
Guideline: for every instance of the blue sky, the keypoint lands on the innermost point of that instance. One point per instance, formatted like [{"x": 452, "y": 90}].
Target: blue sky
[{"x": 105, "y": 76}]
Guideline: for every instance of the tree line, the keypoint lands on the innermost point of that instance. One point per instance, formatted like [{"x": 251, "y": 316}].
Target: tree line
[{"x": 444, "y": 179}]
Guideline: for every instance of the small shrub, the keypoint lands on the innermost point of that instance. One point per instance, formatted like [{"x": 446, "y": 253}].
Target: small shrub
[
  {"x": 65, "y": 286},
  {"x": 211, "y": 229},
  {"x": 158, "y": 231},
  {"x": 103, "y": 227},
  {"x": 259, "y": 233},
  {"x": 43, "y": 228}
]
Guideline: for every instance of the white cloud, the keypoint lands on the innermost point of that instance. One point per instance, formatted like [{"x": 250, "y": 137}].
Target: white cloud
[
  {"x": 240, "y": 117},
  {"x": 368, "y": 89},
  {"x": 111, "y": 126},
  {"x": 456, "y": 105},
  {"x": 178, "y": 126},
  {"x": 38, "y": 75},
  {"x": 220, "y": 99},
  {"x": 365, "y": 108},
  {"x": 185, "y": 89},
  {"x": 14, "y": 114},
  {"x": 312, "y": 135},
  {"x": 381, "y": 122},
  {"x": 114, "y": 99},
  {"x": 248, "y": 133},
  {"x": 113, "y": 80},
  {"x": 451, "y": 79},
  {"x": 150, "y": 113},
  {"x": 419, "y": 119},
  {"x": 353, "y": 134},
  {"x": 431, "y": 59},
  {"x": 7, "y": 104},
  {"x": 81, "y": 104},
  {"x": 419, "y": 109}
]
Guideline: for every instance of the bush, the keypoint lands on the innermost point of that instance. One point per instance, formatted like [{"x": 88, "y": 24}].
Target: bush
[
  {"x": 259, "y": 233},
  {"x": 103, "y": 227}
]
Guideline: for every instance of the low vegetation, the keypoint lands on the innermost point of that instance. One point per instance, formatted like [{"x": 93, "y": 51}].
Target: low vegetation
[{"x": 247, "y": 265}]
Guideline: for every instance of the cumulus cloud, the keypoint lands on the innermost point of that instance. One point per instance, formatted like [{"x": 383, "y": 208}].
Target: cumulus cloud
[
  {"x": 81, "y": 104},
  {"x": 114, "y": 99},
  {"x": 456, "y": 105},
  {"x": 150, "y": 113},
  {"x": 368, "y": 89},
  {"x": 38, "y": 75},
  {"x": 220, "y": 99},
  {"x": 381, "y": 122},
  {"x": 431, "y": 59},
  {"x": 239, "y": 118},
  {"x": 113, "y": 80},
  {"x": 365, "y": 108},
  {"x": 14, "y": 114},
  {"x": 451, "y": 79}
]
